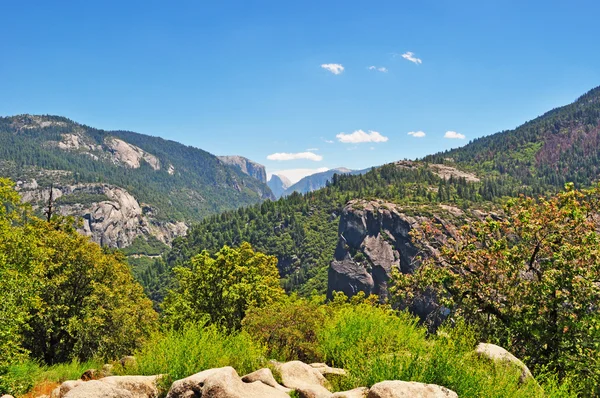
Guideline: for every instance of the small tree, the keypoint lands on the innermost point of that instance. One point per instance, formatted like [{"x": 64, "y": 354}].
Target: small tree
[
  {"x": 222, "y": 288},
  {"x": 529, "y": 281}
]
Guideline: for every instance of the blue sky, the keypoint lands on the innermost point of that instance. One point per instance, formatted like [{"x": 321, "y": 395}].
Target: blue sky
[{"x": 246, "y": 77}]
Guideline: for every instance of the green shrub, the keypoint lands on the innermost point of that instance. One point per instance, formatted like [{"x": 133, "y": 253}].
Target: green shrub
[
  {"x": 375, "y": 344},
  {"x": 20, "y": 378},
  {"x": 288, "y": 328},
  {"x": 195, "y": 348}
]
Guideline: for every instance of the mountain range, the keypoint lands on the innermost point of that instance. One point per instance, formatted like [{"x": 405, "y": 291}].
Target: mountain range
[
  {"x": 343, "y": 235},
  {"x": 123, "y": 184},
  {"x": 127, "y": 185}
]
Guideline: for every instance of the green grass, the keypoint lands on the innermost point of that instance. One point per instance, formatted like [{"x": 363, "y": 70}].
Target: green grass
[
  {"x": 374, "y": 344},
  {"x": 182, "y": 353},
  {"x": 371, "y": 343},
  {"x": 22, "y": 377}
]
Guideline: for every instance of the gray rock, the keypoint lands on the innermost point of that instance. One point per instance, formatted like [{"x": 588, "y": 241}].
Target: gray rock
[
  {"x": 113, "y": 386},
  {"x": 247, "y": 166},
  {"x": 97, "y": 389},
  {"x": 380, "y": 232},
  {"x": 221, "y": 383},
  {"x": 325, "y": 369},
  {"x": 114, "y": 222},
  {"x": 278, "y": 184},
  {"x": 497, "y": 353},
  {"x": 265, "y": 376},
  {"x": 405, "y": 389},
  {"x": 360, "y": 392},
  {"x": 306, "y": 380}
]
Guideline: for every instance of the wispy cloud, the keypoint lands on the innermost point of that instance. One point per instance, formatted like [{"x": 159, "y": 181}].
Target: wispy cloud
[
  {"x": 417, "y": 134},
  {"x": 312, "y": 149},
  {"x": 378, "y": 68},
  {"x": 295, "y": 156},
  {"x": 360, "y": 136},
  {"x": 410, "y": 56},
  {"x": 454, "y": 135},
  {"x": 336, "y": 69},
  {"x": 327, "y": 141}
]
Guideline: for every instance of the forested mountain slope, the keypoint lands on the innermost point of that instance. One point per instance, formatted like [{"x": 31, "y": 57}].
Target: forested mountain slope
[
  {"x": 158, "y": 181},
  {"x": 560, "y": 146},
  {"x": 302, "y": 230}
]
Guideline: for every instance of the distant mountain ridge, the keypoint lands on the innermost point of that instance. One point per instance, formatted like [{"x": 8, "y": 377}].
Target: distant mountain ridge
[
  {"x": 130, "y": 176},
  {"x": 319, "y": 180},
  {"x": 278, "y": 184}
]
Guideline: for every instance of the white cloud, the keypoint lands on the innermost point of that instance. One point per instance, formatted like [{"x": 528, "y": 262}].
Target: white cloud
[
  {"x": 360, "y": 136},
  {"x": 418, "y": 134},
  {"x": 327, "y": 141},
  {"x": 312, "y": 149},
  {"x": 454, "y": 135},
  {"x": 295, "y": 175},
  {"x": 379, "y": 69},
  {"x": 336, "y": 69},
  {"x": 294, "y": 156},
  {"x": 410, "y": 56}
]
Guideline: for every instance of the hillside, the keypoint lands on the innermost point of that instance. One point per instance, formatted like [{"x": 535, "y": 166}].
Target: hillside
[
  {"x": 303, "y": 230},
  {"x": 563, "y": 145},
  {"x": 122, "y": 183}
]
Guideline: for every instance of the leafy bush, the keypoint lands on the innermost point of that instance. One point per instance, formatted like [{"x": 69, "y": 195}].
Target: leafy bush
[
  {"x": 195, "y": 348},
  {"x": 288, "y": 328},
  {"x": 222, "y": 288},
  {"x": 528, "y": 281}
]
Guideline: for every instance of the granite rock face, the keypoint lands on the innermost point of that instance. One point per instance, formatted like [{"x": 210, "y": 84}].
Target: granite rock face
[
  {"x": 247, "y": 166},
  {"x": 111, "y": 216},
  {"x": 374, "y": 238}
]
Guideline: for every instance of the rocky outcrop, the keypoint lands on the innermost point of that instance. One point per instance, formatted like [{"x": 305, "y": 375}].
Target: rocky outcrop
[
  {"x": 405, "y": 389},
  {"x": 374, "y": 238},
  {"x": 111, "y": 216},
  {"x": 130, "y": 155},
  {"x": 497, "y": 353},
  {"x": 247, "y": 166},
  {"x": 221, "y": 383},
  {"x": 306, "y": 381}
]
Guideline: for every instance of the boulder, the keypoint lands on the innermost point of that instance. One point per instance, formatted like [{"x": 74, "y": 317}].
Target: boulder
[
  {"x": 221, "y": 383},
  {"x": 306, "y": 380},
  {"x": 325, "y": 369},
  {"x": 497, "y": 353},
  {"x": 360, "y": 392},
  {"x": 265, "y": 376},
  {"x": 97, "y": 389},
  {"x": 138, "y": 386},
  {"x": 64, "y": 388},
  {"x": 406, "y": 389},
  {"x": 113, "y": 386}
]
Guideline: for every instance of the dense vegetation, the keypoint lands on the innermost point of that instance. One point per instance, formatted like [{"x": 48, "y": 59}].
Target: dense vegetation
[
  {"x": 528, "y": 281},
  {"x": 200, "y": 184},
  {"x": 227, "y": 308},
  {"x": 560, "y": 146},
  {"x": 301, "y": 230},
  {"x": 63, "y": 297}
]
